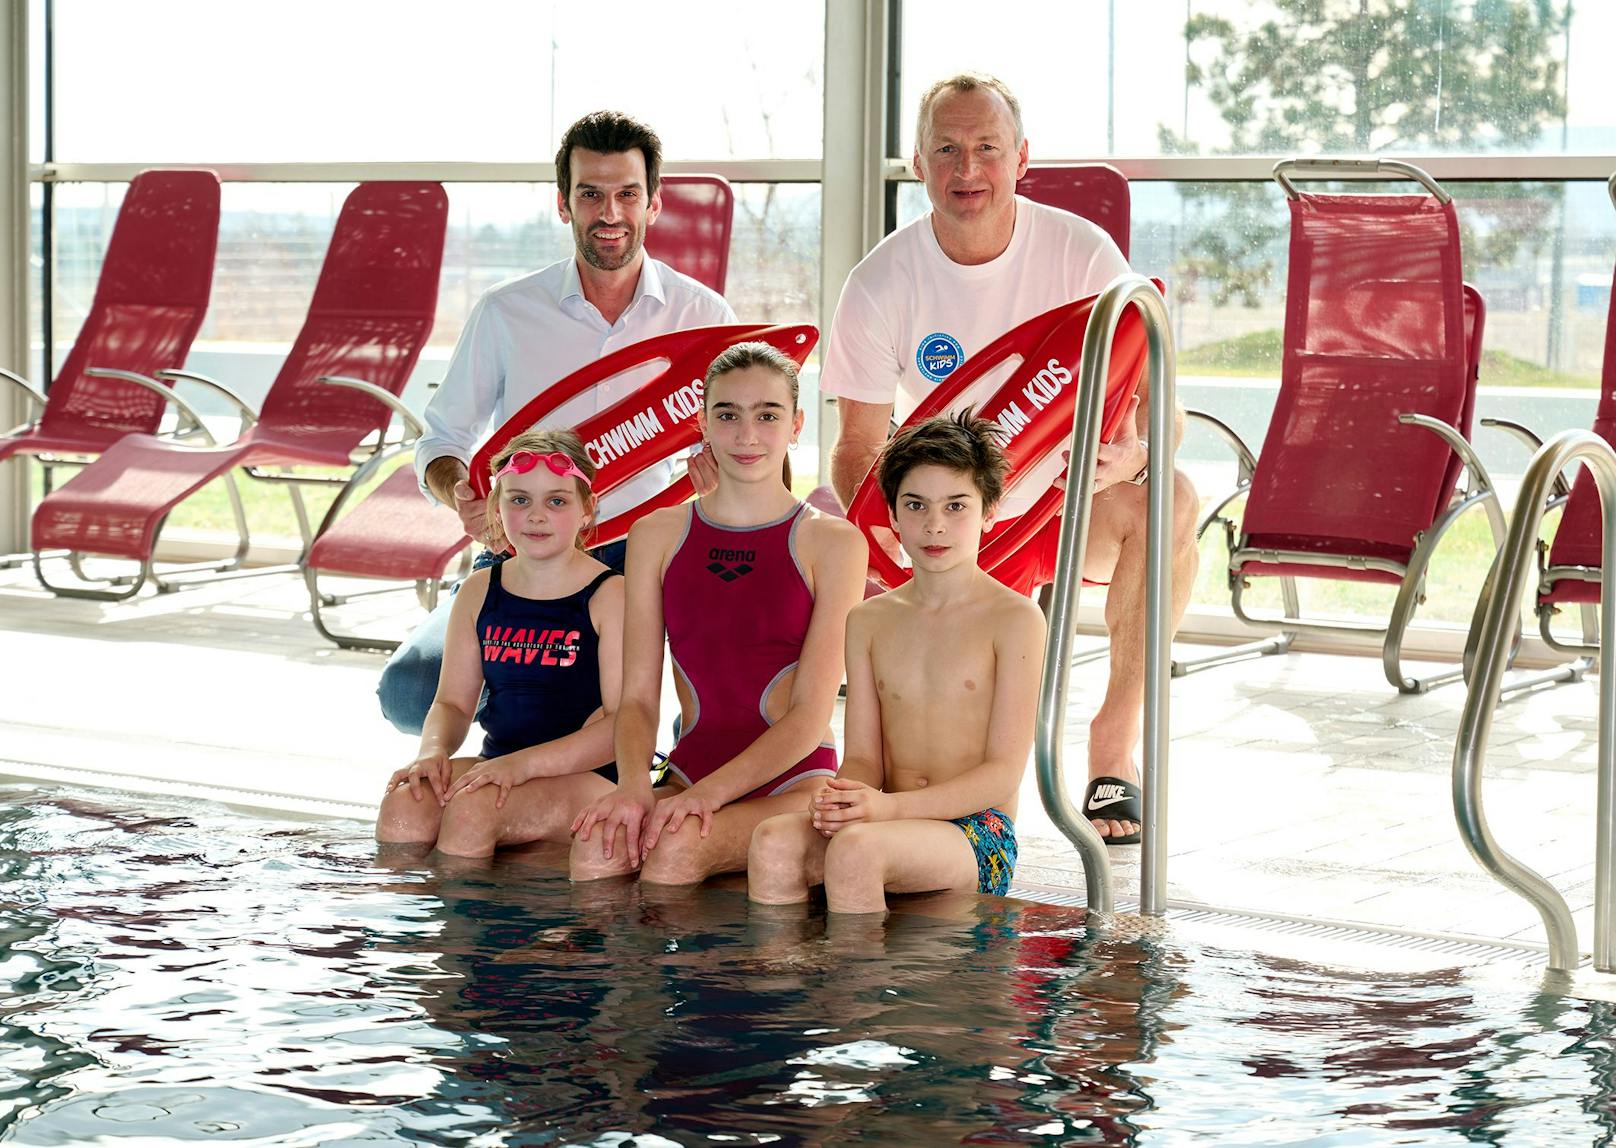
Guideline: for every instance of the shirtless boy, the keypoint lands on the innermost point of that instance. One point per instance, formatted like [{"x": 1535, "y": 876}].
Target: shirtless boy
[{"x": 942, "y": 695}]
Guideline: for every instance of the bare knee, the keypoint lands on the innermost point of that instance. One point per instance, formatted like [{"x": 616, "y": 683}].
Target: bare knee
[
  {"x": 588, "y": 861},
  {"x": 405, "y": 820},
  {"x": 678, "y": 859},
  {"x": 470, "y": 825},
  {"x": 854, "y": 859},
  {"x": 1186, "y": 510},
  {"x": 777, "y": 859}
]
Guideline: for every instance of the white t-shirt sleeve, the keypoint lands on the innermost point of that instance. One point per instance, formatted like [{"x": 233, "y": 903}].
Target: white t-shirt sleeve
[
  {"x": 1106, "y": 262},
  {"x": 861, "y": 356},
  {"x": 460, "y": 408}
]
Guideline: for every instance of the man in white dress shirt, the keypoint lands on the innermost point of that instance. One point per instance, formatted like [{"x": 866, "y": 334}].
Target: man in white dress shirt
[
  {"x": 935, "y": 292},
  {"x": 528, "y": 333}
]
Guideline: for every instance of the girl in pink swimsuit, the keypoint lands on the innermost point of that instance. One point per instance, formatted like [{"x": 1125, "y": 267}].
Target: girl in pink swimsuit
[{"x": 750, "y": 588}]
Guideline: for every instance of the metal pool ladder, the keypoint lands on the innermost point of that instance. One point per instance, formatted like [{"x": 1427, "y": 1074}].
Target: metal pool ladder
[
  {"x": 1121, "y": 293},
  {"x": 1493, "y": 629}
]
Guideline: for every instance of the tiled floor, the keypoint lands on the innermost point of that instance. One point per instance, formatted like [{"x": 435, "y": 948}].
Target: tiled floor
[{"x": 1300, "y": 784}]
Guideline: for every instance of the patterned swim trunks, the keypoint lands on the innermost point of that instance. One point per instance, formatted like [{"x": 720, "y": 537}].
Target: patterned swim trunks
[{"x": 993, "y": 839}]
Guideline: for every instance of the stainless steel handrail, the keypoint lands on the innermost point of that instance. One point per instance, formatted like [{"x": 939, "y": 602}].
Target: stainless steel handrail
[
  {"x": 1122, "y": 292},
  {"x": 1495, "y": 624}
]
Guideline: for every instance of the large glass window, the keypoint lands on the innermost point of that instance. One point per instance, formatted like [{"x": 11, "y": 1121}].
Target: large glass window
[
  {"x": 481, "y": 80},
  {"x": 1240, "y": 77}
]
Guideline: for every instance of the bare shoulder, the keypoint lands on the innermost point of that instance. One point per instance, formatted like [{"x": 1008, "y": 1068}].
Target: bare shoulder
[
  {"x": 1014, "y": 615},
  {"x": 660, "y": 529},
  {"x": 873, "y": 615},
  {"x": 829, "y": 533},
  {"x": 607, "y": 600},
  {"x": 827, "y": 543}
]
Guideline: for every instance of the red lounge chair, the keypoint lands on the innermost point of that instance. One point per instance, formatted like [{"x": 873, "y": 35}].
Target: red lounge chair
[
  {"x": 1569, "y": 570},
  {"x": 396, "y": 534},
  {"x": 149, "y": 303},
  {"x": 1358, "y": 475},
  {"x": 330, "y": 405}
]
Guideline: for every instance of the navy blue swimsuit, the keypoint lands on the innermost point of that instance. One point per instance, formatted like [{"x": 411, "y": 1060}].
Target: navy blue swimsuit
[{"x": 541, "y": 664}]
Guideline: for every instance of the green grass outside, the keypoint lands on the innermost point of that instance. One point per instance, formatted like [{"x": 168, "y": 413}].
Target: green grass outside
[
  {"x": 1452, "y": 585},
  {"x": 1260, "y": 353}
]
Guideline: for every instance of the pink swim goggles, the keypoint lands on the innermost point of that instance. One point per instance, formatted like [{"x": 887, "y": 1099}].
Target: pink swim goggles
[{"x": 559, "y": 462}]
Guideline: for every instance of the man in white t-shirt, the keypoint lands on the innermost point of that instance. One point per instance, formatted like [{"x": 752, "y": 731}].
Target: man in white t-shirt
[
  {"x": 528, "y": 333},
  {"x": 937, "y": 291}
]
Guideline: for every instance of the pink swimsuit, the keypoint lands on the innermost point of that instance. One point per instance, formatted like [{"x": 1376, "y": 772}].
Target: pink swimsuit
[{"x": 736, "y": 606}]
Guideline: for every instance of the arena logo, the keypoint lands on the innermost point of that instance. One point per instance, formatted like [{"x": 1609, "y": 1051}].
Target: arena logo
[
  {"x": 1039, "y": 391},
  {"x": 719, "y": 554},
  {"x": 939, "y": 355}
]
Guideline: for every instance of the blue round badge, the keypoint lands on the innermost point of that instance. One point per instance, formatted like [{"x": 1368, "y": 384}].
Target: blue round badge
[{"x": 938, "y": 355}]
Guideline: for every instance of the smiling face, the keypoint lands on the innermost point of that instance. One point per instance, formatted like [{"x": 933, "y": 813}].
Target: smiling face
[
  {"x": 749, "y": 421},
  {"x": 609, "y": 208},
  {"x": 970, "y": 158},
  {"x": 542, "y": 513},
  {"x": 939, "y": 517}
]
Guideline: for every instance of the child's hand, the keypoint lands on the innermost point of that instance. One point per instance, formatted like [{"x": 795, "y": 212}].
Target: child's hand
[
  {"x": 844, "y": 802},
  {"x": 432, "y": 768},
  {"x": 500, "y": 771},
  {"x": 620, "y": 808},
  {"x": 671, "y": 813}
]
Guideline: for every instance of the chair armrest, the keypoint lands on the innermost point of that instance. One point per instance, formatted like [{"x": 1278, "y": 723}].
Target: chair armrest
[
  {"x": 1534, "y": 443},
  {"x": 1459, "y": 444},
  {"x": 247, "y": 414},
  {"x": 1242, "y": 453},
  {"x": 27, "y": 388},
  {"x": 391, "y": 401},
  {"x": 165, "y": 393}
]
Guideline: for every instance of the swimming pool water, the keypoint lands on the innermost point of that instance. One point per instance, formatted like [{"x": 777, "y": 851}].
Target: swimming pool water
[{"x": 175, "y": 972}]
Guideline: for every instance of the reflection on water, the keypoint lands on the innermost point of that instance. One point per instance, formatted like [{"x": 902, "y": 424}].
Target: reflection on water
[{"x": 194, "y": 974}]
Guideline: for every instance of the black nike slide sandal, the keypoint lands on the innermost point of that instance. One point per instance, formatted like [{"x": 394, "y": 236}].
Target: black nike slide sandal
[{"x": 1113, "y": 799}]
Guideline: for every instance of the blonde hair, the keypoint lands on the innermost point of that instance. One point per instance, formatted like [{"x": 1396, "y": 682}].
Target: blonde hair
[
  {"x": 543, "y": 440},
  {"x": 966, "y": 82}
]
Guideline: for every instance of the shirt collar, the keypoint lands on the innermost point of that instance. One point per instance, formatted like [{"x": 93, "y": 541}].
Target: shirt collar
[{"x": 649, "y": 285}]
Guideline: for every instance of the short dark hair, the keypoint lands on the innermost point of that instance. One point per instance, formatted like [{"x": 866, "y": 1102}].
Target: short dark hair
[
  {"x": 954, "y": 442},
  {"x": 608, "y": 133}
]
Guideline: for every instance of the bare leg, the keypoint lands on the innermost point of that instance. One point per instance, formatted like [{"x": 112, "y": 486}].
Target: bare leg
[
  {"x": 865, "y": 862},
  {"x": 405, "y": 819},
  {"x": 1116, "y": 554},
  {"x": 538, "y": 810},
  {"x": 687, "y": 858},
  {"x": 785, "y": 861}
]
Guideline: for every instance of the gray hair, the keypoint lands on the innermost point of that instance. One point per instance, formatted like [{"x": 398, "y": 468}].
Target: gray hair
[{"x": 966, "y": 82}]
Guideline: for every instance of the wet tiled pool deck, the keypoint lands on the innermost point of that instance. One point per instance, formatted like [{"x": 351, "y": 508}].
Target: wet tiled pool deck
[{"x": 1301, "y": 785}]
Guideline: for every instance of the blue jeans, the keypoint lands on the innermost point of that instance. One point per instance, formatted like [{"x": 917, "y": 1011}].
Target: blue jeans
[{"x": 409, "y": 681}]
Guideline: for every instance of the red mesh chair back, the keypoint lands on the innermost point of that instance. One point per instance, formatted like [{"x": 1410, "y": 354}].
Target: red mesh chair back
[
  {"x": 1581, "y": 536},
  {"x": 371, "y": 314},
  {"x": 149, "y": 303},
  {"x": 1374, "y": 328},
  {"x": 692, "y": 233},
  {"x": 1096, "y": 191}
]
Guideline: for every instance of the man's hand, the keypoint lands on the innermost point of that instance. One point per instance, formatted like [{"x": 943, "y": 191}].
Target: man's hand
[
  {"x": 473, "y": 513},
  {"x": 1118, "y": 460},
  {"x": 620, "y": 809},
  {"x": 703, "y": 470},
  {"x": 429, "y": 770},
  {"x": 843, "y": 802},
  {"x": 670, "y": 814}
]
